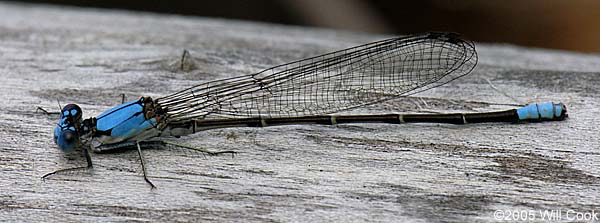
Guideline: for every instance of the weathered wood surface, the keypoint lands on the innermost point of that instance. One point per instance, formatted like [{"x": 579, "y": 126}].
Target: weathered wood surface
[{"x": 387, "y": 173}]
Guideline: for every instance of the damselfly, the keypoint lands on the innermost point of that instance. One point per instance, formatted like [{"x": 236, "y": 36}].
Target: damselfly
[{"x": 301, "y": 92}]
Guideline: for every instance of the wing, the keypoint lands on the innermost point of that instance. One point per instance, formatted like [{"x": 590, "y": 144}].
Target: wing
[{"x": 331, "y": 82}]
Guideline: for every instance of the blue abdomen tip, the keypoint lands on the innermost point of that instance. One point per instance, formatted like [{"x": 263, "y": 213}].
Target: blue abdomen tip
[{"x": 544, "y": 111}]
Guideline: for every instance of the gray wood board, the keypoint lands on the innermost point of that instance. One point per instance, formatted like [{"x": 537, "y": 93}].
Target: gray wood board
[{"x": 350, "y": 173}]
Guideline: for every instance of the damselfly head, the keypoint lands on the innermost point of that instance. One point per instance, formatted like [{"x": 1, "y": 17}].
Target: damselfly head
[{"x": 66, "y": 133}]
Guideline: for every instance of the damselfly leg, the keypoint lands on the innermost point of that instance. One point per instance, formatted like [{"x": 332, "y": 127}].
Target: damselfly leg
[
  {"x": 138, "y": 145},
  {"x": 143, "y": 166},
  {"x": 212, "y": 153},
  {"x": 46, "y": 111},
  {"x": 89, "y": 166},
  {"x": 49, "y": 112},
  {"x": 156, "y": 144}
]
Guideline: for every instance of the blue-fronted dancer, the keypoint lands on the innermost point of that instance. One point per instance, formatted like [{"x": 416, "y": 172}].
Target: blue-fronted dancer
[{"x": 301, "y": 92}]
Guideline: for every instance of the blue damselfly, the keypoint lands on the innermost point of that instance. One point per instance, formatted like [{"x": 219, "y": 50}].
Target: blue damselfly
[{"x": 302, "y": 92}]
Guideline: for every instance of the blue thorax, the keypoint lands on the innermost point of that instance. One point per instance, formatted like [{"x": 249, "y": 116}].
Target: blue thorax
[{"x": 126, "y": 120}]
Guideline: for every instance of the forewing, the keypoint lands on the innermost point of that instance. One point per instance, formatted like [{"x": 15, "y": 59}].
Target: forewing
[{"x": 331, "y": 82}]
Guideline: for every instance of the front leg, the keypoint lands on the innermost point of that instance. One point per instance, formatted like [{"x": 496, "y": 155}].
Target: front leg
[{"x": 89, "y": 166}]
